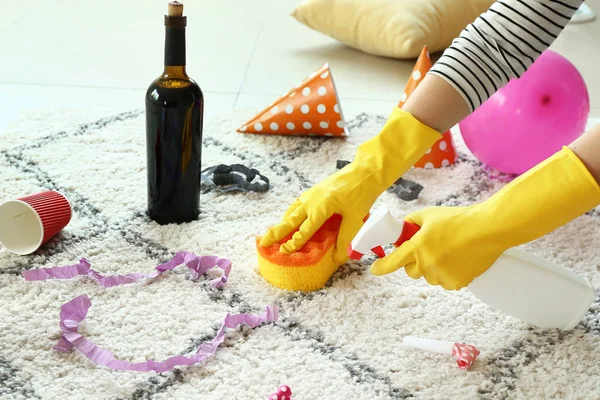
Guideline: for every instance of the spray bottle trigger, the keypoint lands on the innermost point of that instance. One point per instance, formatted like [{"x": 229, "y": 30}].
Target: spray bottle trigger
[
  {"x": 378, "y": 250},
  {"x": 408, "y": 231}
]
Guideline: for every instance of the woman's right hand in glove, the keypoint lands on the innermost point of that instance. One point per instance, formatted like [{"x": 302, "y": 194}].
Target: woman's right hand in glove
[{"x": 457, "y": 244}]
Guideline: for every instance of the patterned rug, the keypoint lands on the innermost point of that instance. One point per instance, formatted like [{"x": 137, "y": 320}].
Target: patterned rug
[{"x": 342, "y": 342}]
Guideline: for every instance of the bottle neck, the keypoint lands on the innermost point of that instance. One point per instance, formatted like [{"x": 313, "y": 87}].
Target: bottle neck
[
  {"x": 172, "y": 71},
  {"x": 175, "y": 48}
]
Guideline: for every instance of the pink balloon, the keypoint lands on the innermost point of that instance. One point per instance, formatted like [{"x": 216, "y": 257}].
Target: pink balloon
[{"x": 530, "y": 118}]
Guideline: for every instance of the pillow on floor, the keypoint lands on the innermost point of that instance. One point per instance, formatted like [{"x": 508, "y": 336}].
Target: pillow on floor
[{"x": 391, "y": 28}]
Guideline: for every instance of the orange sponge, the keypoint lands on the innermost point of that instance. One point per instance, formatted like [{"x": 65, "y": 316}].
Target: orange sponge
[{"x": 307, "y": 269}]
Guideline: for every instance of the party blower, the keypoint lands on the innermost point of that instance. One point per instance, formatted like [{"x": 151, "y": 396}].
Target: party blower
[{"x": 519, "y": 284}]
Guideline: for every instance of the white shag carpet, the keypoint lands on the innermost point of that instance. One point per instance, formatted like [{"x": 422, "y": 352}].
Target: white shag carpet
[{"x": 342, "y": 342}]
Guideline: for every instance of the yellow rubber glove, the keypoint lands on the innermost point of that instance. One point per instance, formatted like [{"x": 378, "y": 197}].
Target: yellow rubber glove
[
  {"x": 457, "y": 244},
  {"x": 352, "y": 191}
]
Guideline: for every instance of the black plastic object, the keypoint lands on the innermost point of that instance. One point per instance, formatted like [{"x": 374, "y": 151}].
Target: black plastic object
[
  {"x": 234, "y": 177},
  {"x": 406, "y": 190}
]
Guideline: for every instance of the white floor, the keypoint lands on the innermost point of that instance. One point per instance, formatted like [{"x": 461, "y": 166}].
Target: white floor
[{"x": 82, "y": 54}]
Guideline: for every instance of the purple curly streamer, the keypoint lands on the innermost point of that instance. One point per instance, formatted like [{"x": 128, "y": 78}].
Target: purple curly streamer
[
  {"x": 74, "y": 312},
  {"x": 198, "y": 265}
]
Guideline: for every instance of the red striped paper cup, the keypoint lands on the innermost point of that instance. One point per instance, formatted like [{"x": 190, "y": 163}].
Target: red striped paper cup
[{"x": 28, "y": 222}]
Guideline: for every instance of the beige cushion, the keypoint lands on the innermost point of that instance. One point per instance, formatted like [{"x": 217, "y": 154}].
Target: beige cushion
[{"x": 391, "y": 28}]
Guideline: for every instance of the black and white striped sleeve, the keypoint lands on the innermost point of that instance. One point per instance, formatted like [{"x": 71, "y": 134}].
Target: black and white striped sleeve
[{"x": 501, "y": 44}]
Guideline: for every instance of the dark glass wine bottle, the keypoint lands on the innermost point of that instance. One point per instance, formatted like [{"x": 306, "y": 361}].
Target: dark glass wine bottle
[{"x": 174, "y": 117}]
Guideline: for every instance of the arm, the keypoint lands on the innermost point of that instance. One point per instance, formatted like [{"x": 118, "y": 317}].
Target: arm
[
  {"x": 487, "y": 54},
  {"x": 457, "y": 244},
  {"x": 587, "y": 148},
  {"x": 498, "y": 46},
  {"x": 436, "y": 104}
]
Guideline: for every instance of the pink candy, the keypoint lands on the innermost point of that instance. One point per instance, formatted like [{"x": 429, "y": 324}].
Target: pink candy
[{"x": 283, "y": 393}]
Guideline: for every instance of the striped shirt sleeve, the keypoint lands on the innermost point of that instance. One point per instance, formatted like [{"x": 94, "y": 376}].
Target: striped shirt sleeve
[{"x": 501, "y": 44}]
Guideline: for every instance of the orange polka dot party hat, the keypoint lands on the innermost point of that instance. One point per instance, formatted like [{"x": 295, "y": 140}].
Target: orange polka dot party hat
[
  {"x": 310, "y": 108},
  {"x": 442, "y": 153}
]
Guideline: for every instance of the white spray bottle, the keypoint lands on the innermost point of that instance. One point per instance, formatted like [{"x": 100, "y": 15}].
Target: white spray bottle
[{"x": 519, "y": 284}]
